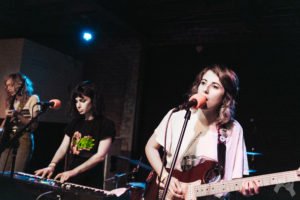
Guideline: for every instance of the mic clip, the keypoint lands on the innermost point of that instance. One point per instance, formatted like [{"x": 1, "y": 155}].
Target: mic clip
[{"x": 185, "y": 106}]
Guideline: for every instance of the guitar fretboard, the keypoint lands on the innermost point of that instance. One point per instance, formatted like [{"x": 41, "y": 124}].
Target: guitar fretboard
[{"x": 236, "y": 185}]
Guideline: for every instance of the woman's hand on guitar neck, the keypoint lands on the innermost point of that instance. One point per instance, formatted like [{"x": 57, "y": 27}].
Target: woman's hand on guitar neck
[
  {"x": 250, "y": 188},
  {"x": 175, "y": 188}
]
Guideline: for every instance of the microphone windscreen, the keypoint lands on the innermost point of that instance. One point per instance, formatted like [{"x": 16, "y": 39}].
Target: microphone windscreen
[
  {"x": 201, "y": 100},
  {"x": 57, "y": 103}
]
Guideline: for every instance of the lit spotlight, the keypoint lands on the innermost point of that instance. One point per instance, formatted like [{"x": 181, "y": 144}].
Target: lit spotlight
[{"x": 87, "y": 36}]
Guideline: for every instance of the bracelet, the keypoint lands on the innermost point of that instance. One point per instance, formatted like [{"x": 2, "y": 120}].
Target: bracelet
[{"x": 53, "y": 164}]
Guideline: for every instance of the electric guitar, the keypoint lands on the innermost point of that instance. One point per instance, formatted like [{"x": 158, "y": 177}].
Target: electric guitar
[
  {"x": 6, "y": 129},
  {"x": 195, "y": 182}
]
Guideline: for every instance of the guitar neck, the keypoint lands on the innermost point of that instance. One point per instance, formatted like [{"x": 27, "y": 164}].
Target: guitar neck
[{"x": 236, "y": 185}]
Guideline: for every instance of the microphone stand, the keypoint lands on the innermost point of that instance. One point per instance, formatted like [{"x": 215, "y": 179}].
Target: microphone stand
[
  {"x": 14, "y": 141},
  {"x": 187, "y": 118}
]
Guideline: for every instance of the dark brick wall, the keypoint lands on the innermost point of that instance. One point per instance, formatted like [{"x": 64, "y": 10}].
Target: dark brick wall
[{"x": 115, "y": 66}]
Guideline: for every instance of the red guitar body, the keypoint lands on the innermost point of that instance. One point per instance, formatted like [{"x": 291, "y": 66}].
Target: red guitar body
[{"x": 203, "y": 172}]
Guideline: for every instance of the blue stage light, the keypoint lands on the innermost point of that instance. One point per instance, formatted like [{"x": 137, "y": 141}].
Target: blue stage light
[{"x": 87, "y": 36}]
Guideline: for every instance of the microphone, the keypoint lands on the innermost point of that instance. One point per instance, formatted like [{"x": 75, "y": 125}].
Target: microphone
[
  {"x": 196, "y": 101},
  {"x": 53, "y": 104}
]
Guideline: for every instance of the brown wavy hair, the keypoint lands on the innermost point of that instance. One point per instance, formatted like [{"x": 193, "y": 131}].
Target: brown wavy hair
[{"x": 230, "y": 82}]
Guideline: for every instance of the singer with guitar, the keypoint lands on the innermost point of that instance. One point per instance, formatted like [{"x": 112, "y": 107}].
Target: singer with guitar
[
  {"x": 213, "y": 144},
  {"x": 20, "y": 108}
]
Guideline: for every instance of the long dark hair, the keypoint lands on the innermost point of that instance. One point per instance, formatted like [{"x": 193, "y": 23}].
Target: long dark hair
[
  {"x": 18, "y": 79},
  {"x": 87, "y": 88},
  {"x": 230, "y": 82}
]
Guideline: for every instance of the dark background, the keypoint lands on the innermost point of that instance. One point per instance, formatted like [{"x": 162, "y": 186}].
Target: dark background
[
  {"x": 258, "y": 39},
  {"x": 267, "y": 104}
]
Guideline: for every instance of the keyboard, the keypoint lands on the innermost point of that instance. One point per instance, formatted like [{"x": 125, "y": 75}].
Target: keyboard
[{"x": 69, "y": 191}]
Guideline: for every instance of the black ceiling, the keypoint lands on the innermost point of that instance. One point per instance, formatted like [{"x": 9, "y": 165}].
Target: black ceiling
[{"x": 157, "y": 21}]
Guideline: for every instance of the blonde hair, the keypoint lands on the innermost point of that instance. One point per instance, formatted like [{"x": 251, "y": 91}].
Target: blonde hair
[{"x": 18, "y": 80}]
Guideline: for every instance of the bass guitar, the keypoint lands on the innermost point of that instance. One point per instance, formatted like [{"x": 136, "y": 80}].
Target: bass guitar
[{"x": 195, "y": 182}]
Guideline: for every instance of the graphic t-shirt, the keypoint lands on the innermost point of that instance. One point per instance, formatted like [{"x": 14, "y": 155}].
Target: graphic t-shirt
[{"x": 85, "y": 137}]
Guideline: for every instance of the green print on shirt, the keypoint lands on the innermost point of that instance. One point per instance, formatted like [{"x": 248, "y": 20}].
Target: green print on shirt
[{"x": 85, "y": 143}]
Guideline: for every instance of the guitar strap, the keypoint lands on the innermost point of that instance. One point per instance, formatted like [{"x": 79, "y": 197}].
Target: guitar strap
[{"x": 222, "y": 135}]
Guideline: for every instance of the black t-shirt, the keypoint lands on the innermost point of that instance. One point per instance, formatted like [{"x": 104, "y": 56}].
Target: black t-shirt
[{"x": 85, "y": 137}]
